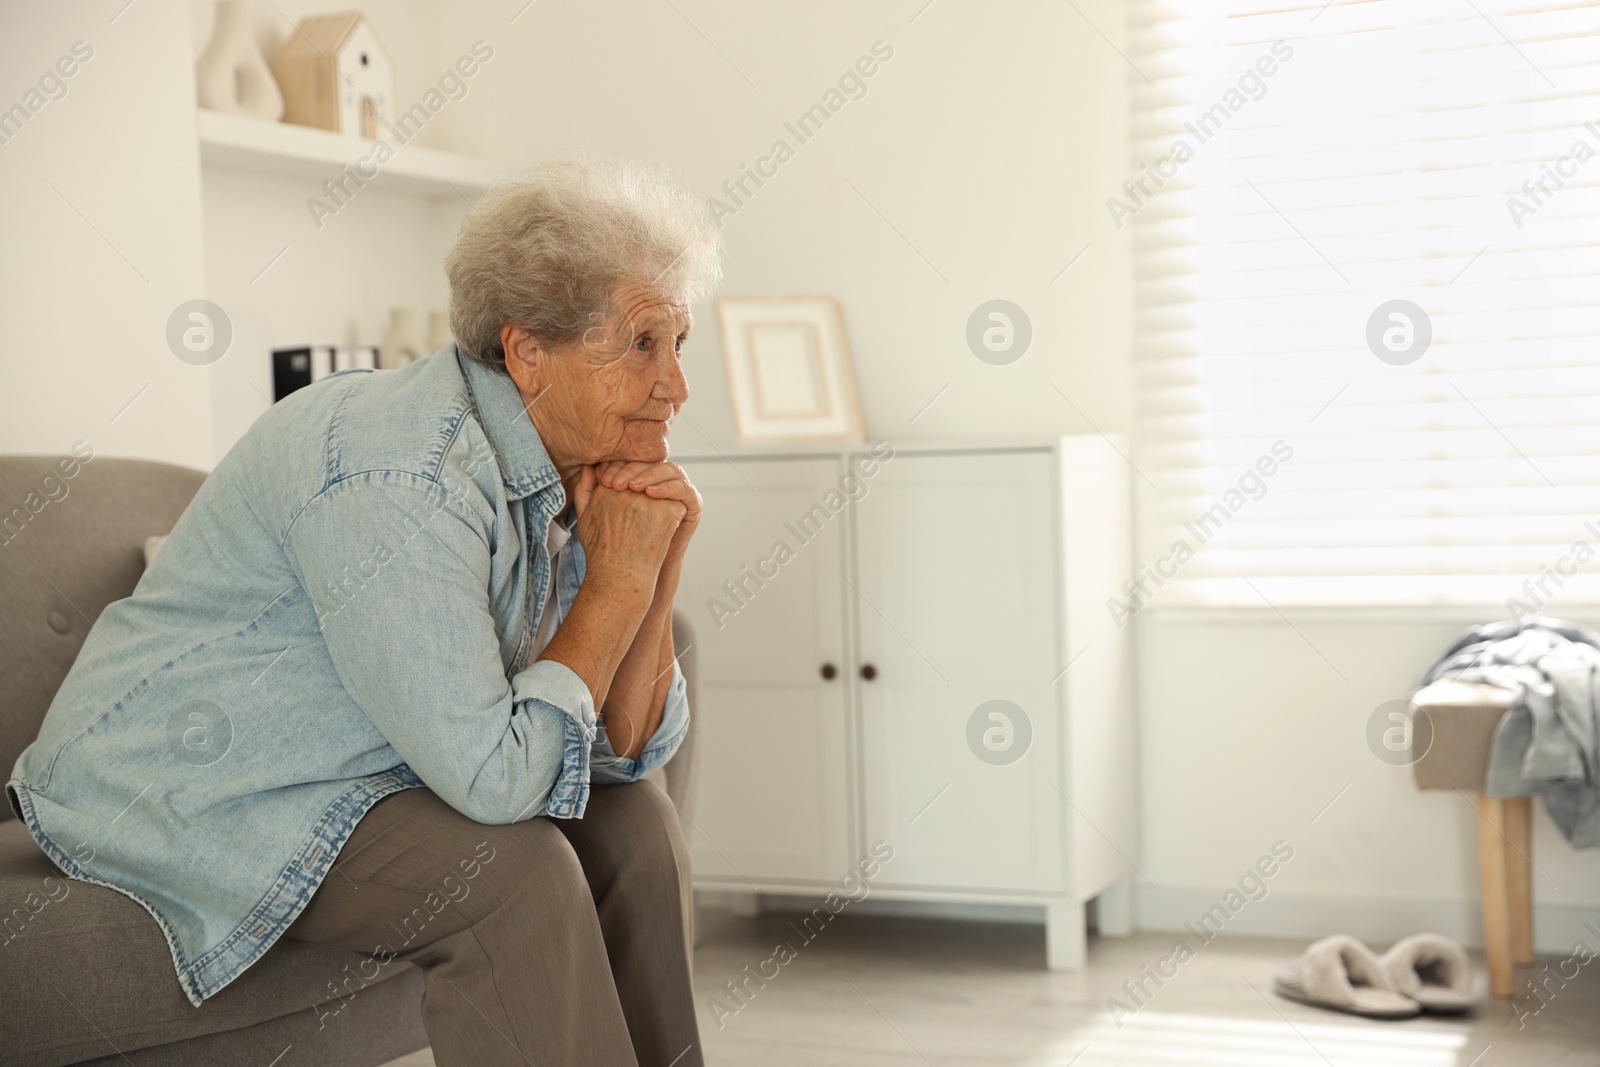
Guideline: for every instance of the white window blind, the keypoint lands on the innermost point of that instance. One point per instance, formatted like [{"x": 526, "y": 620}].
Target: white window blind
[{"x": 1345, "y": 156}]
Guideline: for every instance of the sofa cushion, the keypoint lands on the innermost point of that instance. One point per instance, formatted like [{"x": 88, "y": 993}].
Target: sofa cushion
[
  {"x": 85, "y": 971},
  {"x": 69, "y": 545},
  {"x": 382, "y": 1024}
]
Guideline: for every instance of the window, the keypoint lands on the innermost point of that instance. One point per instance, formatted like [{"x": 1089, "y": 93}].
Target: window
[{"x": 1367, "y": 255}]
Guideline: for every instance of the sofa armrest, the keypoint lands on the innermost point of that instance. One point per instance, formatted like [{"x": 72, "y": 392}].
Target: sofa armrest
[{"x": 680, "y": 777}]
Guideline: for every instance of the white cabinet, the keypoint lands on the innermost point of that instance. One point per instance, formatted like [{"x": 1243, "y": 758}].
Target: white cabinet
[
  {"x": 774, "y": 740},
  {"x": 884, "y": 649},
  {"x": 954, "y": 608}
]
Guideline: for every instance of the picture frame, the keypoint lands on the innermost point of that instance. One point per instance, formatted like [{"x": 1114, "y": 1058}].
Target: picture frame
[{"x": 789, "y": 372}]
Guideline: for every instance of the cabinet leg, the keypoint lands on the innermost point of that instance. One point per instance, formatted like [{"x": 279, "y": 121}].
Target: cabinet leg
[
  {"x": 1492, "y": 852},
  {"x": 1113, "y": 909},
  {"x": 1066, "y": 934},
  {"x": 1519, "y": 876}
]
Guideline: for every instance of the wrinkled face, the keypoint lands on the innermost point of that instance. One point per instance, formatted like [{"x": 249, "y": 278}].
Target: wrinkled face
[{"x": 612, "y": 394}]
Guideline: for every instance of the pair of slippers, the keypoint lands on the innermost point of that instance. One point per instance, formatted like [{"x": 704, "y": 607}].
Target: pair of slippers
[{"x": 1424, "y": 972}]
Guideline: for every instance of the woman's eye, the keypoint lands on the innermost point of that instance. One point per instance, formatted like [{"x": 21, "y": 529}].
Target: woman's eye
[
  {"x": 642, "y": 344},
  {"x": 678, "y": 345}
]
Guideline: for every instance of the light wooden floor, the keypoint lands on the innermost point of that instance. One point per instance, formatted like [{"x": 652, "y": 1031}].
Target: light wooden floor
[{"x": 889, "y": 992}]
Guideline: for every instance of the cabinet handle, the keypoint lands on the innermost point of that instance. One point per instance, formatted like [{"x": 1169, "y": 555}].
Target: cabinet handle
[
  {"x": 868, "y": 671},
  {"x": 829, "y": 671}
]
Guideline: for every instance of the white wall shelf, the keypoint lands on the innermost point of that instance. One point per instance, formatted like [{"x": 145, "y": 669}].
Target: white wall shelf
[{"x": 241, "y": 143}]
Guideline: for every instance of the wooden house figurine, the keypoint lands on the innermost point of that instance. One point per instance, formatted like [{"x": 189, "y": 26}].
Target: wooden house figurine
[{"x": 336, "y": 75}]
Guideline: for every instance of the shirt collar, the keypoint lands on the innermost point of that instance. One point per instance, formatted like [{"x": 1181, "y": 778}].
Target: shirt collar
[{"x": 525, "y": 466}]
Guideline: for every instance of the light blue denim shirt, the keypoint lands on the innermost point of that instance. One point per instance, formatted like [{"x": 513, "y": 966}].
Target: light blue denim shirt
[{"x": 344, "y": 611}]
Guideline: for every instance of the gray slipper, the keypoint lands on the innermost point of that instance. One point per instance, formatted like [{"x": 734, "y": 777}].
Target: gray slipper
[
  {"x": 1342, "y": 974},
  {"x": 1433, "y": 971}
]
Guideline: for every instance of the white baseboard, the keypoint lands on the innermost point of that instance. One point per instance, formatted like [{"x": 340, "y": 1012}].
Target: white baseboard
[
  {"x": 915, "y": 909},
  {"x": 1378, "y": 921}
]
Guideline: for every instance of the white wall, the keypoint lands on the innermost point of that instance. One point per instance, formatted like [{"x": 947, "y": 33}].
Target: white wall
[
  {"x": 99, "y": 208},
  {"x": 1248, "y": 732},
  {"x": 989, "y": 141}
]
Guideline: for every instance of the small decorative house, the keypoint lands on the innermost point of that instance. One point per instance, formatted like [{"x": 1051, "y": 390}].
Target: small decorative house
[{"x": 335, "y": 75}]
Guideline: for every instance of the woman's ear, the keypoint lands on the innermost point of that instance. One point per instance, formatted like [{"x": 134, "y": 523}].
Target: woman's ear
[
  {"x": 517, "y": 343},
  {"x": 524, "y": 358}
]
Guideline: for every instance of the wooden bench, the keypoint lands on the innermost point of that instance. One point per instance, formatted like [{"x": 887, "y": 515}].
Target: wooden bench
[{"x": 1452, "y": 733}]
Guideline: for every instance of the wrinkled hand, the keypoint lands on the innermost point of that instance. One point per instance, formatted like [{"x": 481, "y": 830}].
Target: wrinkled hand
[
  {"x": 658, "y": 481},
  {"x": 626, "y": 535}
]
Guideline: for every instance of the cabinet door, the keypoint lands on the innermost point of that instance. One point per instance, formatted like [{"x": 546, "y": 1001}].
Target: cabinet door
[
  {"x": 764, "y": 595},
  {"x": 954, "y": 601}
]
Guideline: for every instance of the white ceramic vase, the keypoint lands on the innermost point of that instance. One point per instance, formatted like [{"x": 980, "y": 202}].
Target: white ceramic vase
[
  {"x": 231, "y": 74},
  {"x": 400, "y": 345}
]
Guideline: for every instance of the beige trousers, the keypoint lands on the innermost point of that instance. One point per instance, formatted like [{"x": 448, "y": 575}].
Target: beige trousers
[{"x": 550, "y": 942}]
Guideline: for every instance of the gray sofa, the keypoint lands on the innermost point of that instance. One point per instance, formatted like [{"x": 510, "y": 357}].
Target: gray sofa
[{"x": 85, "y": 975}]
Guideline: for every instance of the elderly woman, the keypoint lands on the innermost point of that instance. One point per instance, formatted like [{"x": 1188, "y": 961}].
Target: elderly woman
[{"x": 414, "y": 632}]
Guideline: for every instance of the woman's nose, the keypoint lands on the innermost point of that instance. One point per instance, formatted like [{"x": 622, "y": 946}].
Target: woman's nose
[{"x": 672, "y": 385}]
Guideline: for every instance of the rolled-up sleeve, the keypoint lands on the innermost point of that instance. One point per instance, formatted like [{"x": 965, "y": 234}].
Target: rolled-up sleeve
[
  {"x": 606, "y": 767},
  {"x": 553, "y": 691},
  {"x": 398, "y": 571}
]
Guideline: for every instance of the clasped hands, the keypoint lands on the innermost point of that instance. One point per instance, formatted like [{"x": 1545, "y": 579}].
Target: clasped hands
[{"x": 635, "y": 520}]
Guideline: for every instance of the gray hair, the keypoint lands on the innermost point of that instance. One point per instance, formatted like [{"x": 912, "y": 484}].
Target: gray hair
[{"x": 545, "y": 250}]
